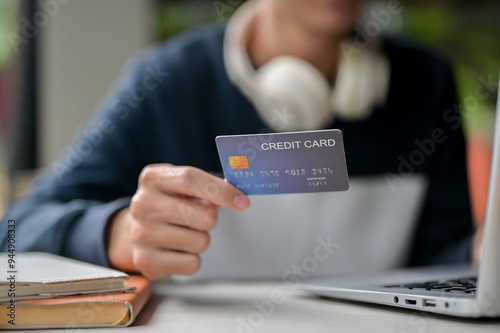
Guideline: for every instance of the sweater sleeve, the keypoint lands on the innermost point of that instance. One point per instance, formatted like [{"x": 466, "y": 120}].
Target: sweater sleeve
[{"x": 68, "y": 207}]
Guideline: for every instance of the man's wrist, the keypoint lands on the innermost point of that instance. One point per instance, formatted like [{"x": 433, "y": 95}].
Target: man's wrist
[{"x": 118, "y": 244}]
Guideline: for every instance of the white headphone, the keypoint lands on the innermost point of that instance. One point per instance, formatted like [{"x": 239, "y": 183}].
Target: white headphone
[{"x": 290, "y": 94}]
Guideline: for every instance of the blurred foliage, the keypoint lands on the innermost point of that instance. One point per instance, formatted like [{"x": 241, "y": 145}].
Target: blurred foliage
[
  {"x": 8, "y": 25},
  {"x": 178, "y": 15},
  {"x": 469, "y": 34}
]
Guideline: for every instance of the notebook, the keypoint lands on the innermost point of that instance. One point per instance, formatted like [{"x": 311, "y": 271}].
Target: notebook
[{"x": 34, "y": 275}]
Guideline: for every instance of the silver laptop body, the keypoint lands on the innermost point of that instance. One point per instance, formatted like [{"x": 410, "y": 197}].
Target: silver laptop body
[{"x": 419, "y": 288}]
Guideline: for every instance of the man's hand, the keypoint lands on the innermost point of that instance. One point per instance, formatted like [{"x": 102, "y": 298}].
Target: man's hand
[{"x": 166, "y": 226}]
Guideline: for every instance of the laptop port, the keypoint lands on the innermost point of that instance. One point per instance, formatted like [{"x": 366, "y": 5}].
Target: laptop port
[
  {"x": 411, "y": 301},
  {"x": 429, "y": 303}
]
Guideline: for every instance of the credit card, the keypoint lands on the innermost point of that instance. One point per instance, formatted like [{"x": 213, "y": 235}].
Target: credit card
[{"x": 293, "y": 162}]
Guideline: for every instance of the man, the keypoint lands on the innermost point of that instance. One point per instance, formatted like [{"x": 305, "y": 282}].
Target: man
[{"x": 145, "y": 198}]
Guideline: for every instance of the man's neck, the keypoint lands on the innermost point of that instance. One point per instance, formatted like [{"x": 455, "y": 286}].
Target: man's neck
[{"x": 277, "y": 33}]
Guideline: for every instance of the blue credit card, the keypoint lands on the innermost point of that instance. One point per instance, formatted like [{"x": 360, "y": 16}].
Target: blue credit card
[{"x": 294, "y": 162}]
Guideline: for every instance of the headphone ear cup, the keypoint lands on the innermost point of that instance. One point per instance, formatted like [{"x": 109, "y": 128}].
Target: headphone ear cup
[
  {"x": 292, "y": 95},
  {"x": 362, "y": 83}
]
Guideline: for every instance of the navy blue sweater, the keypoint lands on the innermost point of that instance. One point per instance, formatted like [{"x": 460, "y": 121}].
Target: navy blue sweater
[{"x": 176, "y": 98}]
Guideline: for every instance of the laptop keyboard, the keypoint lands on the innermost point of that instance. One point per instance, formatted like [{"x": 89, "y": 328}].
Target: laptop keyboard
[{"x": 463, "y": 285}]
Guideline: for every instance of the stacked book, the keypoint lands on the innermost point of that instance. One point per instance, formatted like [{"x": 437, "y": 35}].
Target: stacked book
[{"x": 46, "y": 291}]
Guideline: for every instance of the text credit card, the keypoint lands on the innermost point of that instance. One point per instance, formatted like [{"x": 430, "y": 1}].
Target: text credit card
[{"x": 294, "y": 162}]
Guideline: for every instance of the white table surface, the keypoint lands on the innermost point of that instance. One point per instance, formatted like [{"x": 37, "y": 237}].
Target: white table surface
[{"x": 231, "y": 307}]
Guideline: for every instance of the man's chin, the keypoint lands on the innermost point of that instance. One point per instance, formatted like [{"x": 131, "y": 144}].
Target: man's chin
[{"x": 334, "y": 29}]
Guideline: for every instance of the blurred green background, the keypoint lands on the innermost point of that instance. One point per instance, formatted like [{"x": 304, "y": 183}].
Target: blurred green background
[
  {"x": 469, "y": 33},
  {"x": 8, "y": 24}
]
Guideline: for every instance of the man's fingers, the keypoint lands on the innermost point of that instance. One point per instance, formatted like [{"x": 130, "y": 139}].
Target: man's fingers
[
  {"x": 170, "y": 237},
  {"x": 157, "y": 263},
  {"x": 153, "y": 208},
  {"x": 197, "y": 183}
]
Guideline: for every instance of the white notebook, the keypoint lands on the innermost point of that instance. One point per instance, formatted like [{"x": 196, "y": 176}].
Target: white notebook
[{"x": 34, "y": 275}]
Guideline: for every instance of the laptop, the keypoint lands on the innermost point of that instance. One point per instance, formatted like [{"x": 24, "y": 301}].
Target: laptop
[{"x": 463, "y": 290}]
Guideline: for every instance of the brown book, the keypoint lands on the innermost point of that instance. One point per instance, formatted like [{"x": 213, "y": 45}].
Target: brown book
[{"x": 108, "y": 310}]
